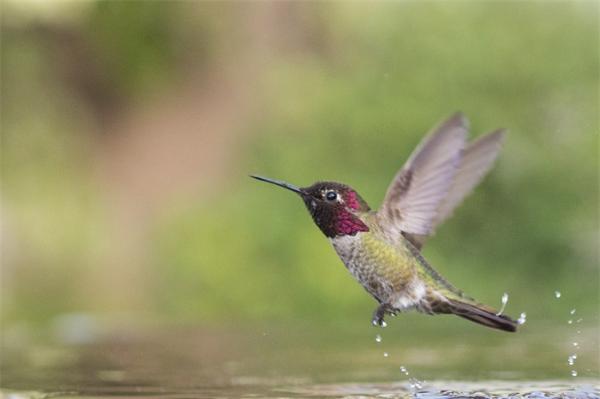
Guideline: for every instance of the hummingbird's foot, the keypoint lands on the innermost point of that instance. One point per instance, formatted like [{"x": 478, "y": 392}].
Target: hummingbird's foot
[{"x": 379, "y": 314}]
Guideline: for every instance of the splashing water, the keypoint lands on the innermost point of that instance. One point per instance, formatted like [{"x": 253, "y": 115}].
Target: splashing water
[
  {"x": 415, "y": 384},
  {"x": 522, "y": 318},
  {"x": 557, "y": 294},
  {"x": 504, "y": 302},
  {"x": 378, "y": 338},
  {"x": 571, "y": 359}
]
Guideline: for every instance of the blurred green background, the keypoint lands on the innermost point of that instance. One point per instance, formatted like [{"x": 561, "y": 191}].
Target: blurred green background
[{"x": 129, "y": 130}]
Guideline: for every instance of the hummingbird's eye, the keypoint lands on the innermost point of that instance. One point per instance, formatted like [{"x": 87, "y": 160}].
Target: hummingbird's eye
[{"x": 331, "y": 195}]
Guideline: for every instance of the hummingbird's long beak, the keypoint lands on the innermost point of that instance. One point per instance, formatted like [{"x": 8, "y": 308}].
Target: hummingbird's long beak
[{"x": 280, "y": 183}]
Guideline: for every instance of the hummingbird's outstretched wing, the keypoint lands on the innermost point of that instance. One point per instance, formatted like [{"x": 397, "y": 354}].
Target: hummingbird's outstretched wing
[
  {"x": 415, "y": 195},
  {"x": 477, "y": 160},
  {"x": 474, "y": 162}
]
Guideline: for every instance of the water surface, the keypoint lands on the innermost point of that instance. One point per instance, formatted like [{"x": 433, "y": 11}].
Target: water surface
[{"x": 301, "y": 361}]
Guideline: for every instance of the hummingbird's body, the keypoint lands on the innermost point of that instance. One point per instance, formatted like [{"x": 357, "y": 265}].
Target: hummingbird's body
[
  {"x": 388, "y": 269},
  {"x": 381, "y": 249}
]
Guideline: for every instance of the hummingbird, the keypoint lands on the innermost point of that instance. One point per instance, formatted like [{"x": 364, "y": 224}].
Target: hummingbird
[{"x": 382, "y": 249}]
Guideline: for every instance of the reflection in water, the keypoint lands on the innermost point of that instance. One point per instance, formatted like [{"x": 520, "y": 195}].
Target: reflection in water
[
  {"x": 270, "y": 389},
  {"x": 298, "y": 362},
  {"x": 451, "y": 389}
]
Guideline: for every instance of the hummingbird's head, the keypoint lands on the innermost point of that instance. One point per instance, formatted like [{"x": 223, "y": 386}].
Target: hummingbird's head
[{"x": 334, "y": 207}]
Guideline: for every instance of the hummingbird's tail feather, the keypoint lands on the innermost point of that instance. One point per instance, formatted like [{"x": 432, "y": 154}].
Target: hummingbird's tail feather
[{"x": 483, "y": 315}]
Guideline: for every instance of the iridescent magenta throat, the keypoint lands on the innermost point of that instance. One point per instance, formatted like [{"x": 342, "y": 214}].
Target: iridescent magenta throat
[{"x": 348, "y": 224}]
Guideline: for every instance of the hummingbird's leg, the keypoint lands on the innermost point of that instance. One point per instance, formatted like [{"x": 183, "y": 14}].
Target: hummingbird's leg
[{"x": 380, "y": 312}]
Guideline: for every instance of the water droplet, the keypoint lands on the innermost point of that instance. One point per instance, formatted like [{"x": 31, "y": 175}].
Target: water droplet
[
  {"x": 576, "y": 344},
  {"x": 383, "y": 324},
  {"x": 573, "y": 311},
  {"x": 378, "y": 338},
  {"x": 385, "y": 354},
  {"x": 571, "y": 359},
  {"x": 404, "y": 370},
  {"x": 504, "y": 302},
  {"x": 522, "y": 318},
  {"x": 557, "y": 294},
  {"x": 578, "y": 331},
  {"x": 578, "y": 320},
  {"x": 574, "y": 373},
  {"x": 570, "y": 321}
]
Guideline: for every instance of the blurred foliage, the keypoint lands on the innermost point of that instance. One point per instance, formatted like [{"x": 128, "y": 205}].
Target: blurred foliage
[{"x": 349, "y": 104}]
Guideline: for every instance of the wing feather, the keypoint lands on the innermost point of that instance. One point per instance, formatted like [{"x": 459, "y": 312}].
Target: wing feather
[
  {"x": 438, "y": 175},
  {"x": 476, "y": 162},
  {"x": 415, "y": 194}
]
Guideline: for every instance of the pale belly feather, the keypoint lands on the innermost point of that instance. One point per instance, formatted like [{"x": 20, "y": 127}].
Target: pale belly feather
[{"x": 386, "y": 272}]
